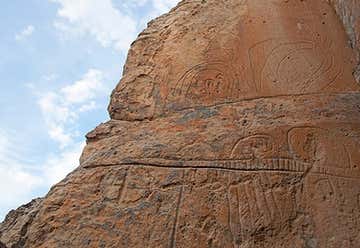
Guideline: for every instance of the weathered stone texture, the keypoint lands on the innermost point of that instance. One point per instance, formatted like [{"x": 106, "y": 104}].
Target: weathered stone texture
[
  {"x": 237, "y": 44},
  {"x": 14, "y": 229},
  {"x": 349, "y": 12},
  {"x": 236, "y": 124}
]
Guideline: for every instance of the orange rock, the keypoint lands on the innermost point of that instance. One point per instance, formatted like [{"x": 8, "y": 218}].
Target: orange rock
[{"x": 236, "y": 124}]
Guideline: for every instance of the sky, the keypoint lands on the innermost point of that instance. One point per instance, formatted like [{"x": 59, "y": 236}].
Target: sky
[{"x": 59, "y": 61}]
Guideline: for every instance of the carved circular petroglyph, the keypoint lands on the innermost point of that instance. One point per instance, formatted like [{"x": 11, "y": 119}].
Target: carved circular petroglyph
[
  {"x": 293, "y": 66},
  {"x": 205, "y": 84}
]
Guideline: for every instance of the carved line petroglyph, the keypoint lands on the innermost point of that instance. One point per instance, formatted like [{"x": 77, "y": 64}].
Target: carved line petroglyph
[
  {"x": 229, "y": 204},
  {"x": 250, "y": 209},
  {"x": 251, "y": 202},
  {"x": 272, "y": 164},
  {"x": 176, "y": 219},
  {"x": 275, "y": 165},
  {"x": 261, "y": 200},
  {"x": 273, "y": 205},
  {"x": 123, "y": 187},
  {"x": 254, "y": 153},
  {"x": 234, "y": 215},
  {"x": 246, "y": 217},
  {"x": 337, "y": 172},
  {"x": 349, "y": 160}
]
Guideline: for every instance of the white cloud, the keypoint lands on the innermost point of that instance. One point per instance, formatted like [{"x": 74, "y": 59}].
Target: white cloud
[
  {"x": 16, "y": 184},
  {"x": 88, "y": 107},
  {"x": 161, "y": 6},
  {"x": 61, "y": 108},
  {"x": 20, "y": 180},
  {"x": 110, "y": 26},
  {"x": 56, "y": 114},
  {"x": 84, "y": 89},
  {"x": 16, "y": 181},
  {"x": 57, "y": 167},
  {"x": 57, "y": 133},
  {"x": 16, "y": 187},
  {"x": 98, "y": 18},
  {"x": 26, "y": 32},
  {"x": 151, "y": 9}
]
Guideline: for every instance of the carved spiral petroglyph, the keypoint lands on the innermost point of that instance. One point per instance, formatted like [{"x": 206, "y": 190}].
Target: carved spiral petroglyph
[{"x": 299, "y": 66}]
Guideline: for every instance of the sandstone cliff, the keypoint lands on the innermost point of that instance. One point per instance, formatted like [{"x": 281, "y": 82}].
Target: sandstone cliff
[{"x": 235, "y": 124}]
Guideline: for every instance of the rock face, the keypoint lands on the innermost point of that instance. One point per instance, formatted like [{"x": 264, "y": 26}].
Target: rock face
[
  {"x": 13, "y": 230},
  {"x": 349, "y": 11},
  {"x": 236, "y": 124}
]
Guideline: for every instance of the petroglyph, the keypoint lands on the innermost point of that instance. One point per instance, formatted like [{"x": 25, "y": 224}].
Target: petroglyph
[
  {"x": 253, "y": 207},
  {"x": 206, "y": 83},
  {"x": 176, "y": 219},
  {"x": 235, "y": 125},
  {"x": 256, "y": 146},
  {"x": 289, "y": 66},
  {"x": 275, "y": 164},
  {"x": 325, "y": 189},
  {"x": 326, "y": 150}
]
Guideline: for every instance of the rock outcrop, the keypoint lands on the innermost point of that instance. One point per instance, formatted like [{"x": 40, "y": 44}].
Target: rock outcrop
[
  {"x": 13, "y": 231},
  {"x": 236, "y": 124}
]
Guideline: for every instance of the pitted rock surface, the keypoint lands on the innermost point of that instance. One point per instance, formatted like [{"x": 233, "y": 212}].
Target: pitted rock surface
[
  {"x": 210, "y": 52},
  {"x": 13, "y": 231},
  {"x": 236, "y": 124}
]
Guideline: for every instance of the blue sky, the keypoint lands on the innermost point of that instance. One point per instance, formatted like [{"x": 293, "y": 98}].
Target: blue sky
[{"x": 59, "y": 61}]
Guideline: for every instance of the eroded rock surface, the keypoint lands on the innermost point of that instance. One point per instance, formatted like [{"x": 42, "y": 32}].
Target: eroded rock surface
[
  {"x": 349, "y": 12},
  {"x": 241, "y": 49},
  {"x": 236, "y": 124},
  {"x": 14, "y": 229}
]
